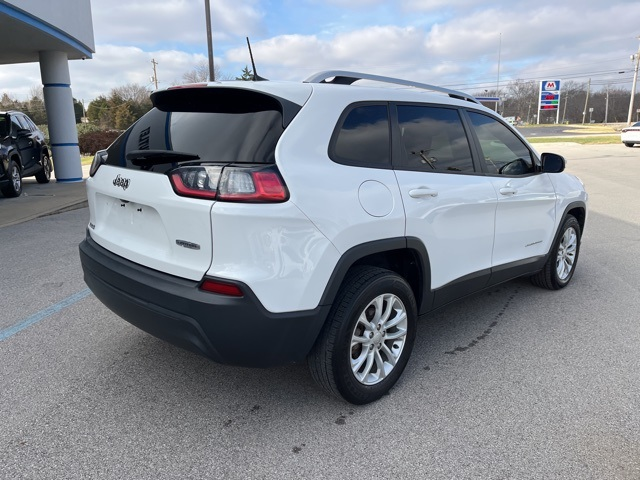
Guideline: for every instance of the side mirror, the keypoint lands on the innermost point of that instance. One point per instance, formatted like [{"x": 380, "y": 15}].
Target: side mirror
[
  {"x": 552, "y": 163},
  {"x": 23, "y": 132}
]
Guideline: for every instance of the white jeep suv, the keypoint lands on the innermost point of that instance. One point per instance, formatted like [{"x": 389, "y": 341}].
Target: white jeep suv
[{"x": 260, "y": 223}]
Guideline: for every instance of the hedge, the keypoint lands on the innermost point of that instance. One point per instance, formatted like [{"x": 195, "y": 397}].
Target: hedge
[{"x": 91, "y": 142}]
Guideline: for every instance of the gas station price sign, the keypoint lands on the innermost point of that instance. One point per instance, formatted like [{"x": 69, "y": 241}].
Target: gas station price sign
[
  {"x": 549, "y": 94},
  {"x": 549, "y": 99}
]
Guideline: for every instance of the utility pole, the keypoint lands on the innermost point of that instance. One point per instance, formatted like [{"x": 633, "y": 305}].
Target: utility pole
[
  {"x": 154, "y": 79},
  {"x": 564, "y": 111},
  {"x": 606, "y": 106},
  {"x": 586, "y": 102},
  {"x": 633, "y": 88},
  {"x": 207, "y": 12},
  {"x": 498, "y": 81}
]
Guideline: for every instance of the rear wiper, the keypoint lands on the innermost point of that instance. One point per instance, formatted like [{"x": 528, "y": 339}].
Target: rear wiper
[{"x": 148, "y": 158}]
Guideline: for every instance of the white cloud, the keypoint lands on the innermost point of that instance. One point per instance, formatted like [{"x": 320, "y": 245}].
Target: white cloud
[
  {"x": 462, "y": 50},
  {"x": 18, "y": 79},
  {"x": 433, "y": 5},
  {"x": 296, "y": 56},
  {"x": 150, "y": 22},
  {"x": 452, "y": 43},
  {"x": 114, "y": 66}
]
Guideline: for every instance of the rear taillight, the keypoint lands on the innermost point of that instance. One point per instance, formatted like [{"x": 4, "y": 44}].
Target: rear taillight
[
  {"x": 261, "y": 184},
  {"x": 198, "y": 182}
]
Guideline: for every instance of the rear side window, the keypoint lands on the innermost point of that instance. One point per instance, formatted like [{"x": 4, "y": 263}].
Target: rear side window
[
  {"x": 362, "y": 137},
  {"x": 433, "y": 140},
  {"x": 503, "y": 152},
  {"x": 32, "y": 125}
]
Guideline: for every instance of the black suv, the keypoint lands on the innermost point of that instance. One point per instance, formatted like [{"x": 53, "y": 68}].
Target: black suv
[{"x": 23, "y": 153}]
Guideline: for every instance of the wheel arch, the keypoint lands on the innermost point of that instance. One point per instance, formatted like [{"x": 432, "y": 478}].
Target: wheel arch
[
  {"x": 579, "y": 211},
  {"x": 15, "y": 156},
  {"x": 406, "y": 256}
]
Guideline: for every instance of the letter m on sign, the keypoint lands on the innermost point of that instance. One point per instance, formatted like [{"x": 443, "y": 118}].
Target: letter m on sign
[{"x": 550, "y": 86}]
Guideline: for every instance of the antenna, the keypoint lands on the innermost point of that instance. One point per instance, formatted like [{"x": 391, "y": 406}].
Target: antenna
[{"x": 256, "y": 77}]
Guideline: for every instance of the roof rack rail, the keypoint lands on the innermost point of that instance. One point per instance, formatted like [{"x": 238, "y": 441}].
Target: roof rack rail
[{"x": 343, "y": 77}]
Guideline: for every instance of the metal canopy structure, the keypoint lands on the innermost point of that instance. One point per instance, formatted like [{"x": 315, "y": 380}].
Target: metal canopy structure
[
  {"x": 51, "y": 34},
  {"x": 23, "y": 36}
]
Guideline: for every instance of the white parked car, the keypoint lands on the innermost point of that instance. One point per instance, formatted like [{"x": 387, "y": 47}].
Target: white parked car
[
  {"x": 261, "y": 223},
  {"x": 631, "y": 135}
]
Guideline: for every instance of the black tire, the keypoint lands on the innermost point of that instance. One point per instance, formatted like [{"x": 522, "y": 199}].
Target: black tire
[
  {"x": 13, "y": 188},
  {"x": 628, "y": 144},
  {"x": 367, "y": 293},
  {"x": 44, "y": 175},
  {"x": 561, "y": 264}
]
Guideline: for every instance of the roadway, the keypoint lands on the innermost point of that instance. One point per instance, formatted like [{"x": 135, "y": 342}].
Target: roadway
[
  {"x": 555, "y": 130},
  {"x": 515, "y": 382}
]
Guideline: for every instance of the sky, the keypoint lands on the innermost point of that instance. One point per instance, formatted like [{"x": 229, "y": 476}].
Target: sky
[{"x": 468, "y": 45}]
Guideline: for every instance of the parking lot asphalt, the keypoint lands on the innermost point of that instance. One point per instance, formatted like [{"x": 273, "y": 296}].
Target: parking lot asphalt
[
  {"x": 39, "y": 200},
  {"x": 512, "y": 383}
]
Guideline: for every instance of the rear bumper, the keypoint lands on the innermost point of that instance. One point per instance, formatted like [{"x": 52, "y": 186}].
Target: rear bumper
[{"x": 230, "y": 330}]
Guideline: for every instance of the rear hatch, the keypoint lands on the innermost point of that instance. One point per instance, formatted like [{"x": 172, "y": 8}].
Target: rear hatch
[{"x": 151, "y": 192}]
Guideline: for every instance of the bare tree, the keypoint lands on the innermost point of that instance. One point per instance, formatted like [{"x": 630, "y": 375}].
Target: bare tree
[
  {"x": 36, "y": 92},
  {"x": 522, "y": 95},
  {"x": 572, "y": 100},
  {"x": 132, "y": 92},
  {"x": 200, "y": 73}
]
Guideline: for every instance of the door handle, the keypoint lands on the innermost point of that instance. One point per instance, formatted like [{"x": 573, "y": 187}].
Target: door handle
[
  {"x": 422, "y": 192},
  {"x": 508, "y": 191}
]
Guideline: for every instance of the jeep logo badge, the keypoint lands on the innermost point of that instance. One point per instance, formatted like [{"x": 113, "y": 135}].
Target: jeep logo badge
[{"x": 121, "y": 182}]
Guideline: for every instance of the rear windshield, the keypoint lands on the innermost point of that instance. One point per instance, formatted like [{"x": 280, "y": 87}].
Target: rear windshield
[{"x": 219, "y": 125}]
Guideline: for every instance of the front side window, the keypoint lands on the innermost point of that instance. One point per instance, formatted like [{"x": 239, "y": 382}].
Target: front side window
[
  {"x": 433, "y": 140},
  {"x": 15, "y": 126},
  {"x": 22, "y": 120},
  {"x": 363, "y": 137},
  {"x": 503, "y": 152}
]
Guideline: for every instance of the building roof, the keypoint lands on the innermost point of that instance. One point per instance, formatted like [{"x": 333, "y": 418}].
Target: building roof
[{"x": 27, "y": 31}]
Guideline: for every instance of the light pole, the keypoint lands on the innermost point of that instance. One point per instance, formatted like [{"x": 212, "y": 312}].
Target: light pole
[
  {"x": 498, "y": 81},
  {"x": 635, "y": 57},
  {"x": 207, "y": 12}
]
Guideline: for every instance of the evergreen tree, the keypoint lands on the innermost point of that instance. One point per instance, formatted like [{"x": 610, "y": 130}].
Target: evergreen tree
[
  {"x": 98, "y": 112},
  {"x": 123, "y": 116},
  {"x": 247, "y": 74}
]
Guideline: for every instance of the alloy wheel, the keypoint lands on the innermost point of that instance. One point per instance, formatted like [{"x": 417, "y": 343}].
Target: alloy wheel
[
  {"x": 378, "y": 339},
  {"x": 566, "y": 253}
]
